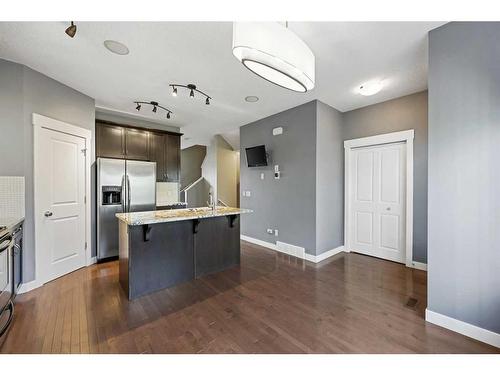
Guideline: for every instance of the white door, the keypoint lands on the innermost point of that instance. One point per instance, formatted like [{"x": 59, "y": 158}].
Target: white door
[
  {"x": 60, "y": 203},
  {"x": 377, "y": 201}
]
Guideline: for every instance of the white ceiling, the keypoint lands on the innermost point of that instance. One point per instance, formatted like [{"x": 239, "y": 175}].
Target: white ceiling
[{"x": 347, "y": 54}]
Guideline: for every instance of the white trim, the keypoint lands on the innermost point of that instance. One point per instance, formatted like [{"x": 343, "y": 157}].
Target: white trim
[
  {"x": 42, "y": 122},
  {"x": 308, "y": 257},
  {"x": 402, "y": 136},
  {"x": 259, "y": 242},
  {"x": 463, "y": 328},
  {"x": 419, "y": 266},
  {"x": 30, "y": 285},
  {"x": 327, "y": 254},
  {"x": 92, "y": 260}
]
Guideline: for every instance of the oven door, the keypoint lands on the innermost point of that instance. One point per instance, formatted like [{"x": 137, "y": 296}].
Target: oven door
[{"x": 5, "y": 272}]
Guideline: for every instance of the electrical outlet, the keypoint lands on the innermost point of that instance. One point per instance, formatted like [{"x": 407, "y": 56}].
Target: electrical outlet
[
  {"x": 276, "y": 232},
  {"x": 269, "y": 231}
]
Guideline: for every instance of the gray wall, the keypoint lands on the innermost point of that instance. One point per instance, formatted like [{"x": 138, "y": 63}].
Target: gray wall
[
  {"x": 45, "y": 96},
  {"x": 464, "y": 173},
  {"x": 407, "y": 112},
  {"x": 287, "y": 204},
  {"x": 11, "y": 119},
  {"x": 329, "y": 179},
  {"x": 134, "y": 121},
  {"x": 191, "y": 159}
]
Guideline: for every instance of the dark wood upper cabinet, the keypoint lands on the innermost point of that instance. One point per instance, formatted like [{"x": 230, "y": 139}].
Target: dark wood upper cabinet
[
  {"x": 173, "y": 157},
  {"x": 110, "y": 141},
  {"x": 128, "y": 142},
  {"x": 136, "y": 144},
  {"x": 157, "y": 153}
]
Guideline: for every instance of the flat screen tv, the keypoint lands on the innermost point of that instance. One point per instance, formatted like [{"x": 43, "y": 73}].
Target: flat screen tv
[{"x": 256, "y": 156}]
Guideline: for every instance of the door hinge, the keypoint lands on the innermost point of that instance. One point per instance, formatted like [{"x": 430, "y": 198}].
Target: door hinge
[
  {"x": 85, "y": 200},
  {"x": 84, "y": 151},
  {"x": 85, "y": 245}
]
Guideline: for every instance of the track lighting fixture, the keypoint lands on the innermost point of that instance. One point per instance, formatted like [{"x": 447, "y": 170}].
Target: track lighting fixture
[
  {"x": 192, "y": 88},
  {"x": 71, "y": 30},
  {"x": 155, "y": 106}
]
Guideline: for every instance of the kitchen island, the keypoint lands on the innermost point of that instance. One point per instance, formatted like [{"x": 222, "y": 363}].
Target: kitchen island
[{"x": 159, "y": 249}]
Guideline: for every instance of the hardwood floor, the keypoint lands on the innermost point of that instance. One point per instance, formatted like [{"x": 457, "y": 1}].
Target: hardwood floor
[{"x": 273, "y": 303}]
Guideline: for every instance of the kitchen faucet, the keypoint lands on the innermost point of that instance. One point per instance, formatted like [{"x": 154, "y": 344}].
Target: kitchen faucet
[{"x": 210, "y": 202}]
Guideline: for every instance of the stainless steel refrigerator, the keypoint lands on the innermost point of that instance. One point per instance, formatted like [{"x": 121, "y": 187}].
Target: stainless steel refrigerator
[{"x": 122, "y": 186}]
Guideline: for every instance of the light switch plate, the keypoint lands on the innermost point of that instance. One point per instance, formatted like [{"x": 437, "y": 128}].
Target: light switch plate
[{"x": 262, "y": 175}]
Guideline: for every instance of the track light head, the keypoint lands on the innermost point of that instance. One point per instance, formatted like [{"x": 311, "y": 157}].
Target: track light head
[
  {"x": 155, "y": 109},
  {"x": 174, "y": 91},
  {"x": 168, "y": 115},
  {"x": 207, "y": 101},
  {"x": 191, "y": 94},
  {"x": 138, "y": 107},
  {"x": 71, "y": 30}
]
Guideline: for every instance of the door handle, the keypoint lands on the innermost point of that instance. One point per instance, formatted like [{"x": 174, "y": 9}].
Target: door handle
[
  {"x": 122, "y": 196},
  {"x": 48, "y": 214},
  {"x": 128, "y": 194}
]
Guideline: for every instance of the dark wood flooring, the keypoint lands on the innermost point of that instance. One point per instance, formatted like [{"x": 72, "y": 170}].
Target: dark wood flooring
[{"x": 273, "y": 303}]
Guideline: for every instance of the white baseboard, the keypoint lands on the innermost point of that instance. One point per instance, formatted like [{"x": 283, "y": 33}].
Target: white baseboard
[
  {"x": 91, "y": 261},
  {"x": 463, "y": 328},
  {"x": 283, "y": 249},
  {"x": 327, "y": 254},
  {"x": 30, "y": 285},
  {"x": 419, "y": 266},
  {"x": 259, "y": 242}
]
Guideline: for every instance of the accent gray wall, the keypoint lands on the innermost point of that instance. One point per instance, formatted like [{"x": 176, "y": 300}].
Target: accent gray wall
[
  {"x": 11, "y": 119},
  {"x": 191, "y": 159},
  {"x": 45, "y": 96},
  {"x": 329, "y": 179},
  {"x": 407, "y": 112},
  {"x": 287, "y": 204},
  {"x": 464, "y": 175},
  {"x": 134, "y": 121}
]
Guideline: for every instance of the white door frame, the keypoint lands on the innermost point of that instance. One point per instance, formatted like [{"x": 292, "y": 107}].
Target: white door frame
[
  {"x": 42, "y": 122},
  {"x": 402, "y": 136}
]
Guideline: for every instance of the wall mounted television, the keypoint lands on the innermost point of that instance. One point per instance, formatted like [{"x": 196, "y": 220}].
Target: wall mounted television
[{"x": 256, "y": 156}]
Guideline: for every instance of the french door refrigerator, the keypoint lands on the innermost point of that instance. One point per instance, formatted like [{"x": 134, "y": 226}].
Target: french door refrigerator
[{"x": 122, "y": 186}]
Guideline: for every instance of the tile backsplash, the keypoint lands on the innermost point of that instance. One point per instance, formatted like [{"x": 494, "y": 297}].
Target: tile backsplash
[
  {"x": 167, "y": 193},
  {"x": 11, "y": 196}
]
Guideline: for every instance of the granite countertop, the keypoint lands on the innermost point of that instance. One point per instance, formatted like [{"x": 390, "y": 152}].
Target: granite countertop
[
  {"x": 10, "y": 222},
  {"x": 165, "y": 216}
]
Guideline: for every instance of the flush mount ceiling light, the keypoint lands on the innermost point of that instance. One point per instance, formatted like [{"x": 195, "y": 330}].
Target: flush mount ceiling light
[
  {"x": 71, "y": 30},
  {"x": 116, "y": 47},
  {"x": 275, "y": 53},
  {"x": 192, "y": 89},
  {"x": 370, "y": 88},
  {"x": 155, "y": 106},
  {"x": 252, "y": 99}
]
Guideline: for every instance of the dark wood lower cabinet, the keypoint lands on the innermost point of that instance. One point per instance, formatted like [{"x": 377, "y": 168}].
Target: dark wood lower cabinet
[{"x": 158, "y": 256}]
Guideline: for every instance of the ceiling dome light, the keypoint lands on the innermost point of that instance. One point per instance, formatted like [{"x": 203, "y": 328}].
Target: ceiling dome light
[
  {"x": 370, "y": 88},
  {"x": 275, "y": 53},
  {"x": 116, "y": 47},
  {"x": 252, "y": 99}
]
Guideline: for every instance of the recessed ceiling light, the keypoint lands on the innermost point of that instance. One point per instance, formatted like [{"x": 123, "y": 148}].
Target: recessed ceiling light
[
  {"x": 252, "y": 99},
  {"x": 116, "y": 47},
  {"x": 370, "y": 88}
]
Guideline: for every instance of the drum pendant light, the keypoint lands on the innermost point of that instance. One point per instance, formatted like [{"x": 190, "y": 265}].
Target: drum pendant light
[{"x": 275, "y": 53}]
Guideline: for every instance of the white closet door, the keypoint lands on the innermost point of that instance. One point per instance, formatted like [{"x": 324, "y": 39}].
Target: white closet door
[{"x": 377, "y": 215}]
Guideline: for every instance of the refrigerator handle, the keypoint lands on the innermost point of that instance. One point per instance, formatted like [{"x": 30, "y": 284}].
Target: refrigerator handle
[
  {"x": 128, "y": 194},
  {"x": 123, "y": 193}
]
